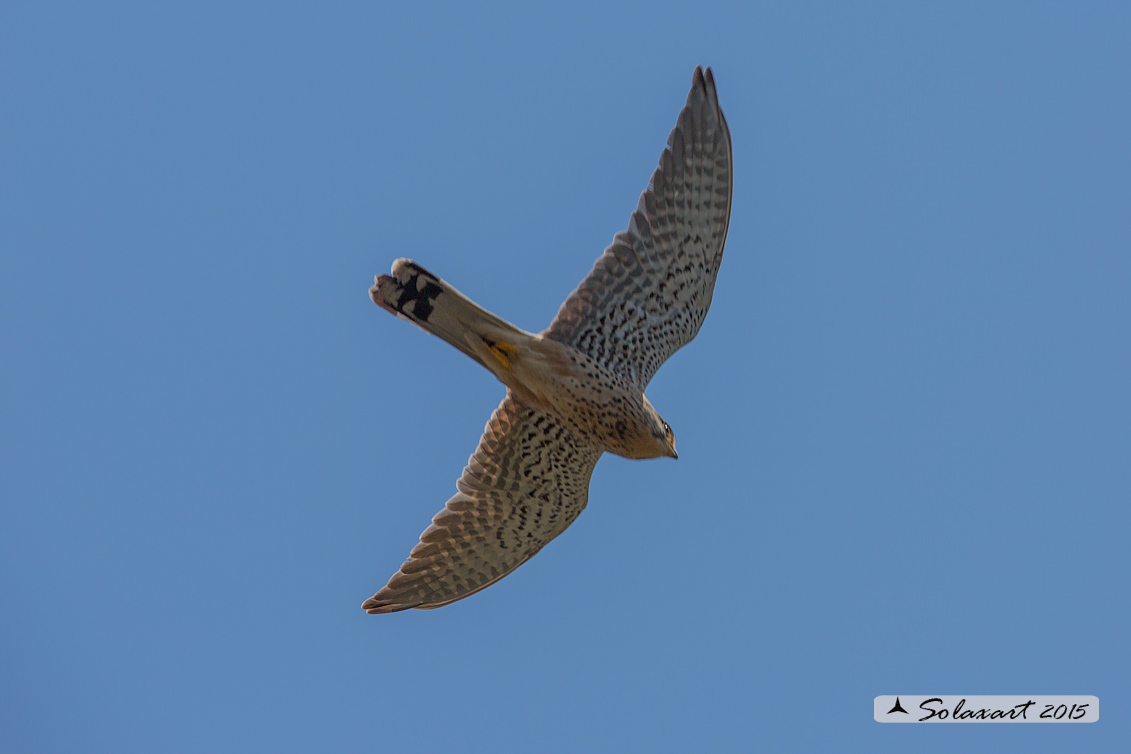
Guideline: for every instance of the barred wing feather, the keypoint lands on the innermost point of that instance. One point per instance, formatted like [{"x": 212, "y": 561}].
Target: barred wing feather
[
  {"x": 527, "y": 481},
  {"x": 648, "y": 294}
]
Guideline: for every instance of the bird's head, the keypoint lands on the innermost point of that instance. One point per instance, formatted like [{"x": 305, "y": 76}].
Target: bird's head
[{"x": 664, "y": 438}]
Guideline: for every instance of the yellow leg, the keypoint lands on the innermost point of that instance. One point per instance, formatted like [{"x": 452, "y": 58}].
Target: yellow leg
[{"x": 502, "y": 353}]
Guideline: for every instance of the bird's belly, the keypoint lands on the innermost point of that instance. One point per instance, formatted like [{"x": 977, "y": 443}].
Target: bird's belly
[{"x": 583, "y": 394}]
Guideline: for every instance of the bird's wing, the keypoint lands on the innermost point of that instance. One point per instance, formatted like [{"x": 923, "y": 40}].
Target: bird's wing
[
  {"x": 527, "y": 482},
  {"x": 647, "y": 295}
]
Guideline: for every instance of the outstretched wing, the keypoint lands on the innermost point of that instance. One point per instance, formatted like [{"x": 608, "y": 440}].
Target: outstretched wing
[
  {"x": 648, "y": 293},
  {"x": 527, "y": 482}
]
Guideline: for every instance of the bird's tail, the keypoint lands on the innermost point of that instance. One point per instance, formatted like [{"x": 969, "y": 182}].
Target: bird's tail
[{"x": 417, "y": 295}]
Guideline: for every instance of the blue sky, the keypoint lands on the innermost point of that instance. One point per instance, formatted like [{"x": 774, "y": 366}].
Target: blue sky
[{"x": 904, "y": 430}]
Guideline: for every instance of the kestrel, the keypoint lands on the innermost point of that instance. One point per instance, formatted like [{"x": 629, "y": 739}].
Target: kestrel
[{"x": 576, "y": 390}]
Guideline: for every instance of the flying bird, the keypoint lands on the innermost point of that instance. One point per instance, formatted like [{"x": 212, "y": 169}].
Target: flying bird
[{"x": 575, "y": 390}]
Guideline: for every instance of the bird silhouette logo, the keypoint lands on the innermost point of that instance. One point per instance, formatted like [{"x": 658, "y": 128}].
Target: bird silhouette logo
[{"x": 898, "y": 708}]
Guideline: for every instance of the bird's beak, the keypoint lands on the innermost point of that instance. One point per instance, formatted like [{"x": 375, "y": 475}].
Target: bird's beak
[{"x": 671, "y": 447}]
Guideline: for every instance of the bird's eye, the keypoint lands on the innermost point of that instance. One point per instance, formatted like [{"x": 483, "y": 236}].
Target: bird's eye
[{"x": 667, "y": 429}]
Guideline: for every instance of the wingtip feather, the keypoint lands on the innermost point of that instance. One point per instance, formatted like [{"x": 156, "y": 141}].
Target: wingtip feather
[
  {"x": 703, "y": 86},
  {"x": 374, "y": 607}
]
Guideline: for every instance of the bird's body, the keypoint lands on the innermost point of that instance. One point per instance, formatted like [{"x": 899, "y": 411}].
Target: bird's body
[
  {"x": 576, "y": 390},
  {"x": 559, "y": 380}
]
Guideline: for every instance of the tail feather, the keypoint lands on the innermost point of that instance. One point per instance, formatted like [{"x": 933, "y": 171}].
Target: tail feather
[{"x": 415, "y": 294}]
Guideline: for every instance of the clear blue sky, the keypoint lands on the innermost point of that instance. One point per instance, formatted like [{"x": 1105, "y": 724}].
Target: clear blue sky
[{"x": 904, "y": 430}]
